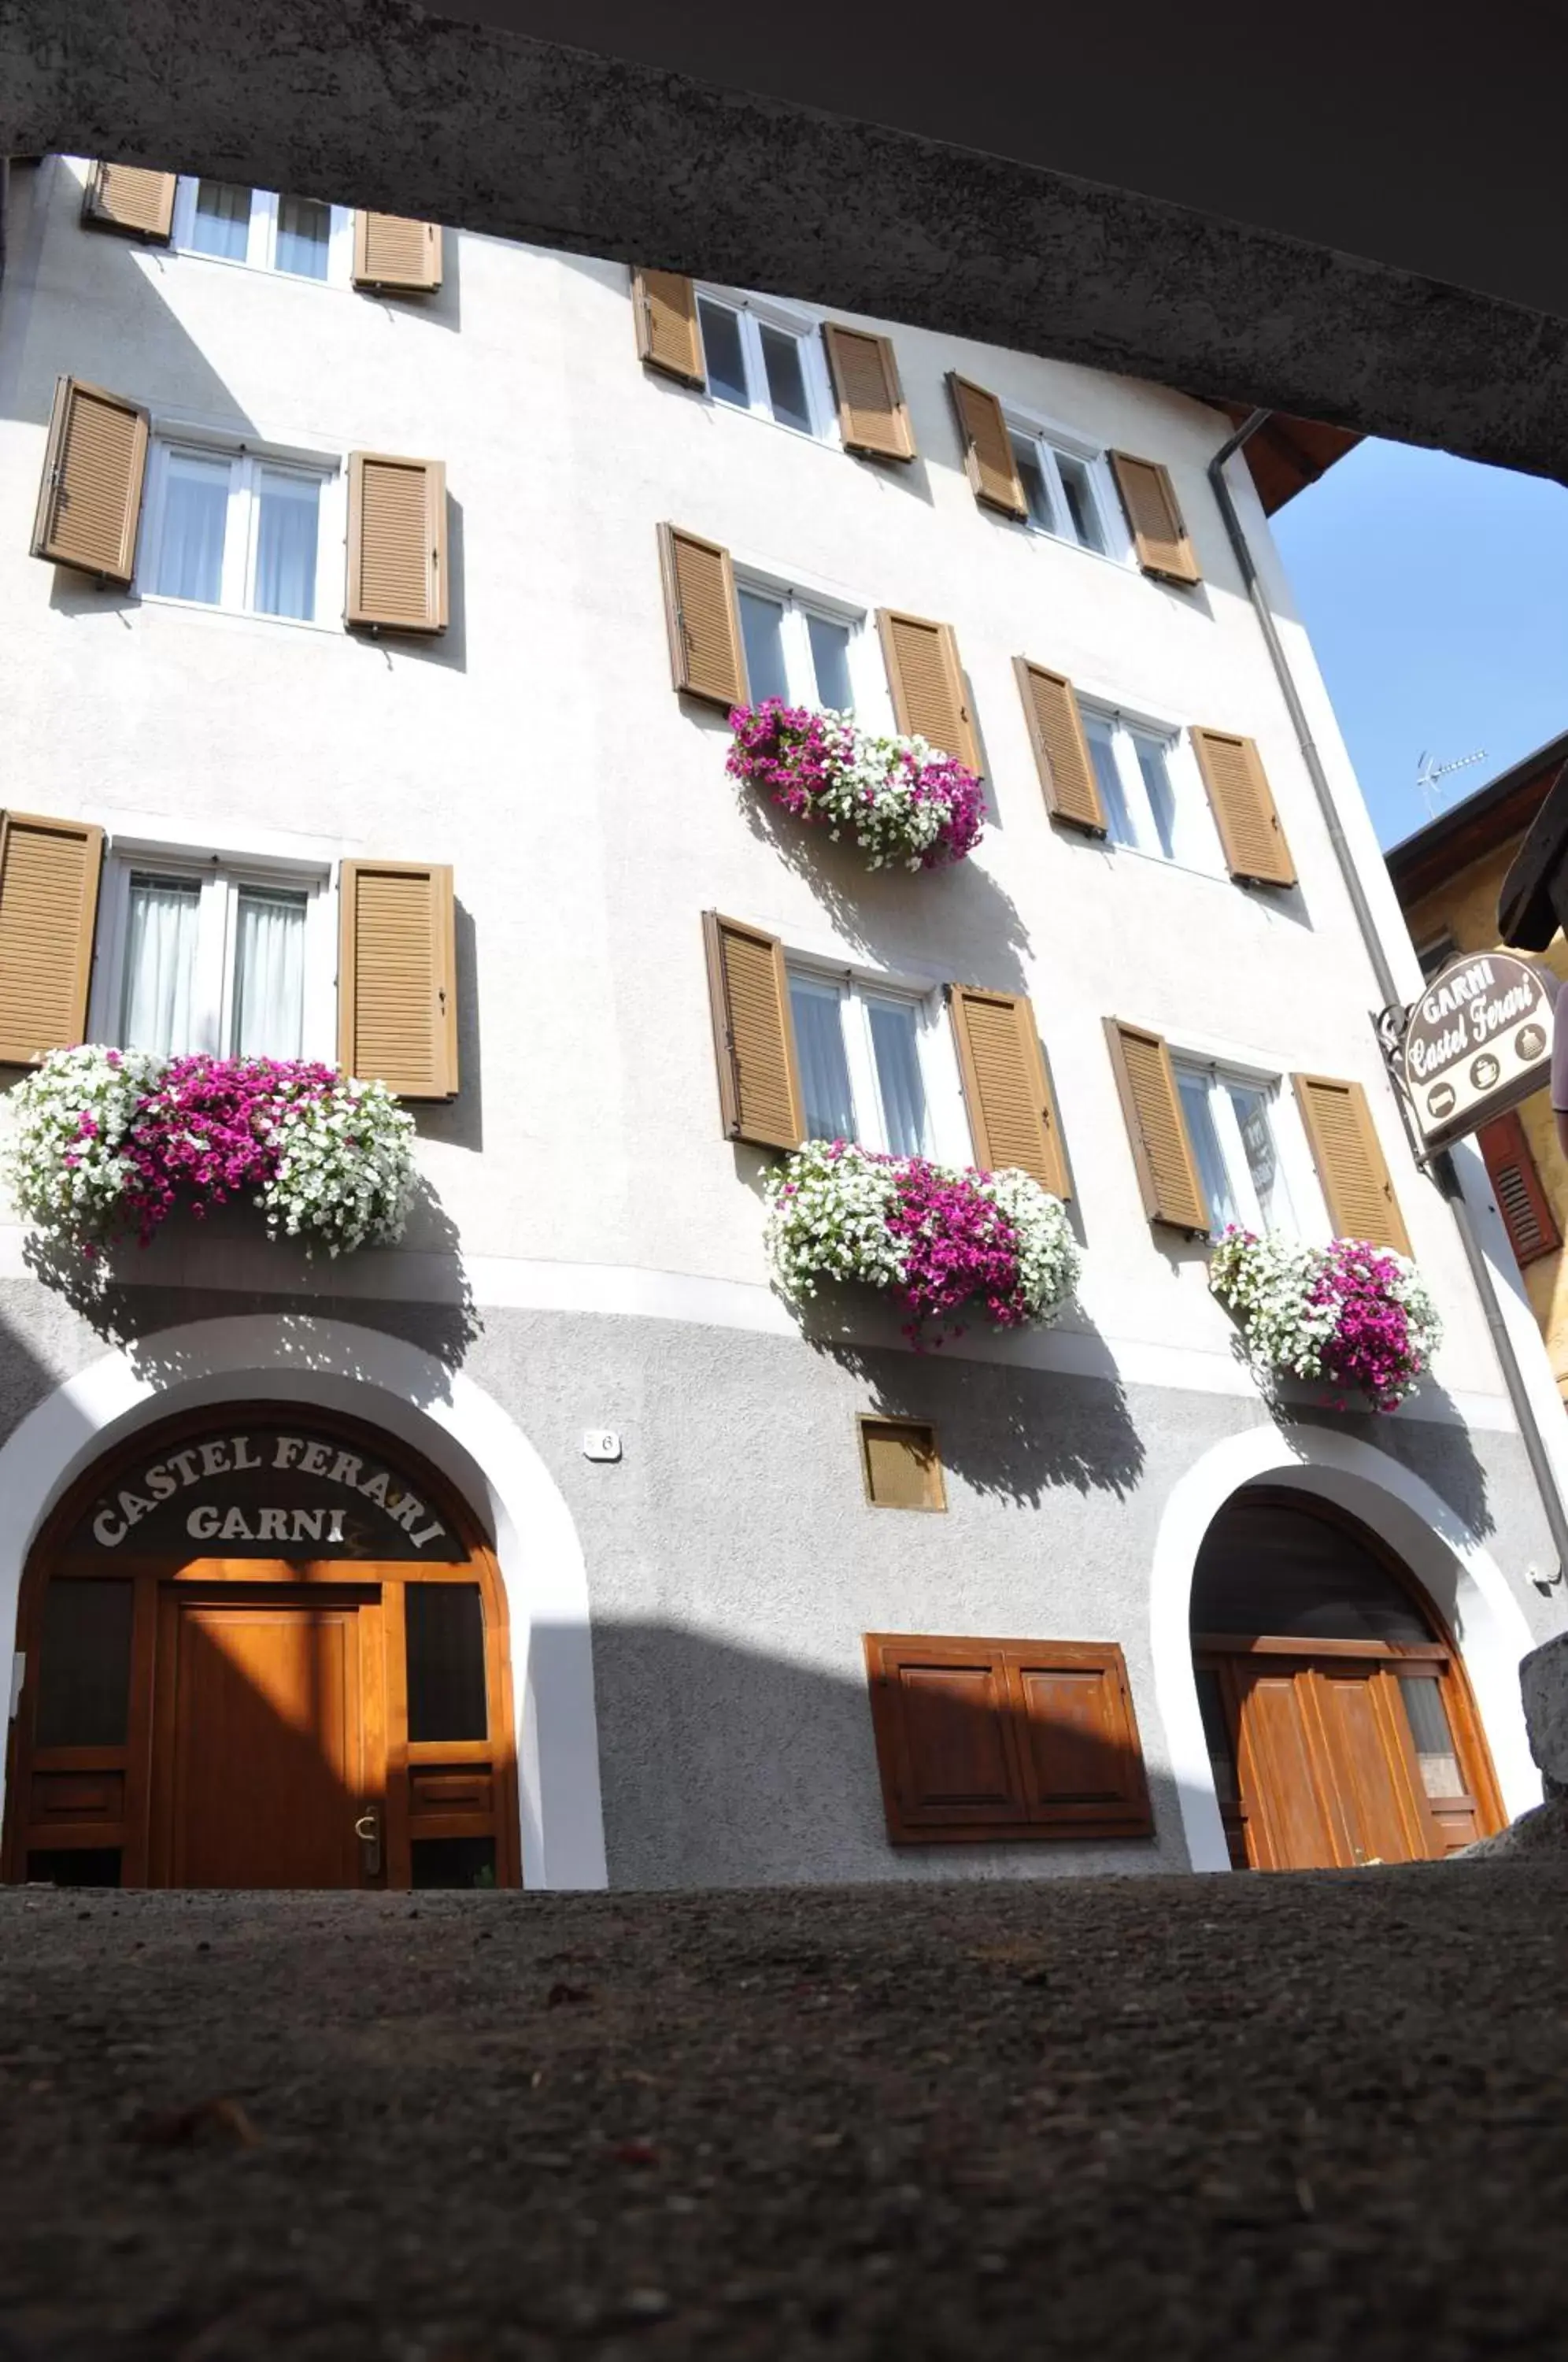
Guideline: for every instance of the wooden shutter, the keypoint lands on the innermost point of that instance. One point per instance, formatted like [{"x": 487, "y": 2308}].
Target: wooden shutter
[
  {"x": 872, "y": 416},
  {"x": 89, "y": 499},
  {"x": 1061, "y": 750},
  {"x": 1523, "y": 1202},
  {"x": 397, "y": 543},
  {"x": 1161, "y": 1152},
  {"x": 927, "y": 683},
  {"x": 670, "y": 335},
  {"x": 1255, "y": 851},
  {"x": 901, "y": 1464},
  {"x": 48, "y": 900},
  {"x": 754, "y": 1035},
  {"x": 137, "y": 204},
  {"x": 397, "y": 254},
  {"x": 1013, "y": 1114},
  {"x": 1149, "y": 498},
  {"x": 988, "y": 447},
  {"x": 706, "y": 654},
  {"x": 1350, "y": 1161},
  {"x": 1082, "y": 1765},
  {"x": 397, "y": 997}
]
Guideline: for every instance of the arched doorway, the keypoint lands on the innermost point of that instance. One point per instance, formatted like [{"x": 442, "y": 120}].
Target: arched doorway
[
  {"x": 262, "y": 1645},
  {"x": 1339, "y": 1721}
]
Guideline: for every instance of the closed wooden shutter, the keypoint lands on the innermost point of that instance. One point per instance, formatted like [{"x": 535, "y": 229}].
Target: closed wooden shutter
[
  {"x": 397, "y": 543},
  {"x": 397, "y": 996},
  {"x": 706, "y": 654},
  {"x": 872, "y": 415},
  {"x": 1083, "y": 1763},
  {"x": 1158, "y": 534},
  {"x": 1357, "y": 1187},
  {"x": 988, "y": 447},
  {"x": 1061, "y": 750},
  {"x": 670, "y": 336},
  {"x": 48, "y": 902},
  {"x": 1013, "y": 1114},
  {"x": 89, "y": 499},
  {"x": 1167, "y": 1174},
  {"x": 927, "y": 684},
  {"x": 391, "y": 252},
  {"x": 1255, "y": 851},
  {"x": 754, "y": 1036},
  {"x": 135, "y": 203},
  {"x": 901, "y": 1464},
  {"x": 1522, "y": 1202}
]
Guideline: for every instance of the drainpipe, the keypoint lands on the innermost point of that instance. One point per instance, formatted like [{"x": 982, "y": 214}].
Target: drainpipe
[{"x": 1441, "y": 1165}]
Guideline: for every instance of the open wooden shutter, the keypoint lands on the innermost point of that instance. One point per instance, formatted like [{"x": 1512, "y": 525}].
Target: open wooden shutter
[
  {"x": 1167, "y": 1174},
  {"x": 872, "y": 416},
  {"x": 988, "y": 447},
  {"x": 1013, "y": 1114},
  {"x": 1255, "y": 851},
  {"x": 397, "y": 543},
  {"x": 707, "y": 655},
  {"x": 1149, "y": 498},
  {"x": 927, "y": 684},
  {"x": 136, "y": 203},
  {"x": 391, "y": 252},
  {"x": 1350, "y": 1161},
  {"x": 89, "y": 499},
  {"x": 1082, "y": 1765},
  {"x": 670, "y": 335},
  {"x": 1523, "y": 1202},
  {"x": 1061, "y": 750},
  {"x": 397, "y": 996},
  {"x": 754, "y": 1035},
  {"x": 947, "y": 1746},
  {"x": 48, "y": 902}
]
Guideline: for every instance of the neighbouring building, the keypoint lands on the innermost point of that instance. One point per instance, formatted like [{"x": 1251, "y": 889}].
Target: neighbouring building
[{"x": 375, "y": 598}]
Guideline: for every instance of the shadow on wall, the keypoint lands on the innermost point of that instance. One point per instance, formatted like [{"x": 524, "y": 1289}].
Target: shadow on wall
[
  {"x": 1437, "y": 1450},
  {"x": 460, "y": 1120}
]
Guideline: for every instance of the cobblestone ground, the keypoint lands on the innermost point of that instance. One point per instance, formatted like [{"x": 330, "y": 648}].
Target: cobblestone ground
[{"x": 1298, "y": 2117}]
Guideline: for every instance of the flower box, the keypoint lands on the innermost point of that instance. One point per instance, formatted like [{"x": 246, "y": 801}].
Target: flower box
[
  {"x": 1351, "y": 1313},
  {"x": 902, "y": 801}
]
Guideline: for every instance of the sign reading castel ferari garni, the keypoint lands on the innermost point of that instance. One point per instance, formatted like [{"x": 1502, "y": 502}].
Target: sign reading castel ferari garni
[
  {"x": 260, "y": 1491},
  {"x": 1477, "y": 1042}
]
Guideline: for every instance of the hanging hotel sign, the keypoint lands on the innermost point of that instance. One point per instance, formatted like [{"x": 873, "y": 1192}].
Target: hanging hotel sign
[
  {"x": 245, "y": 1490},
  {"x": 1477, "y": 1042}
]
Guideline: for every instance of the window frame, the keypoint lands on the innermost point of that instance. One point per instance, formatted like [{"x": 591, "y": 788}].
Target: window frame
[
  {"x": 1197, "y": 844},
  {"x": 247, "y": 463},
  {"x": 261, "y": 235},
  {"x": 1309, "y": 1218},
  {"x": 754, "y": 313},
  {"x": 1053, "y": 443},
  {"x": 873, "y": 705},
  {"x": 936, "y": 1050}
]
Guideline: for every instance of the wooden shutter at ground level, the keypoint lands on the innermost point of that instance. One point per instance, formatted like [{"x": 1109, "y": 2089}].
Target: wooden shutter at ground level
[
  {"x": 1239, "y": 794},
  {"x": 1167, "y": 1174},
  {"x": 707, "y": 655},
  {"x": 1523, "y": 1202},
  {"x": 1061, "y": 750},
  {"x": 927, "y": 684},
  {"x": 137, "y": 204},
  {"x": 983, "y": 1739},
  {"x": 1158, "y": 534},
  {"x": 393, "y": 252},
  {"x": 1348, "y": 1154},
  {"x": 397, "y": 996},
  {"x": 397, "y": 543},
  {"x": 670, "y": 335},
  {"x": 48, "y": 902},
  {"x": 988, "y": 447},
  {"x": 754, "y": 1035},
  {"x": 89, "y": 499},
  {"x": 1012, "y": 1112},
  {"x": 872, "y": 416}
]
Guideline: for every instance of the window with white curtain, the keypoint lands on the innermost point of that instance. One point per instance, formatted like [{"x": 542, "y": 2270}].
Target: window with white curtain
[
  {"x": 870, "y": 1068},
  {"x": 1069, "y": 493},
  {"x": 212, "y": 957},
  {"x": 801, "y": 649},
  {"x": 239, "y": 529},
  {"x": 300, "y": 236},
  {"x": 1153, "y": 792},
  {"x": 764, "y": 358},
  {"x": 1233, "y": 1121}
]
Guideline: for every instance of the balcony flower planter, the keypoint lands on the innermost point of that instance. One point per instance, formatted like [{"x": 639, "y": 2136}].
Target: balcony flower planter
[
  {"x": 1351, "y": 1313},
  {"x": 901, "y": 804},
  {"x": 939, "y": 1239},
  {"x": 107, "y": 1143}
]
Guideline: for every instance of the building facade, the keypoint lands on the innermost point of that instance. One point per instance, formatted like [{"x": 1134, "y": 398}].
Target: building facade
[{"x": 375, "y": 598}]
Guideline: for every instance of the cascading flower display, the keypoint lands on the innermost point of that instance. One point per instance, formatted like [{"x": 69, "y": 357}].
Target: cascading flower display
[
  {"x": 110, "y": 1141},
  {"x": 898, "y": 798},
  {"x": 939, "y": 1238},
  {"x": 1351, "y": 1313}
]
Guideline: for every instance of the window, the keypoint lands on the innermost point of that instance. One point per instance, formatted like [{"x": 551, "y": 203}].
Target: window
[
  {"x": 1154, "y": 800},
  {"x": 762, "y": 358},
  {"x": 798, "y": 650},
  {"x": 1069, "y": 495},
  {"x": 1231, "y": 1123},
  {"x": 227, "y": 528},
  {"x": 211, "y": 957},
  {"x": 300, "y": 236},
  {"x": 863, "y": 1054}
]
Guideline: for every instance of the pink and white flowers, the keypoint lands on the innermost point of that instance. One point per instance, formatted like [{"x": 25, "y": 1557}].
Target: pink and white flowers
[
  {"x": 900, "y": 800},
  {"x": 1354, "y": 1314}
]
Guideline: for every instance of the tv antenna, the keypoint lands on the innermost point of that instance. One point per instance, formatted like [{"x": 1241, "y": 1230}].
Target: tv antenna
[{"x": 1428, "y": 774}]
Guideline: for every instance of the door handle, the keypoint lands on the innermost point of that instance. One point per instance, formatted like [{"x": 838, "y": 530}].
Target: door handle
[{"x": 367, "y": 1829}]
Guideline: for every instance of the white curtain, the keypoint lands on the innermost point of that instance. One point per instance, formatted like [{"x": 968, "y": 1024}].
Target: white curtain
[
  {"x": 305, "y": 231},
  {"x": 893, "y": 1039},
  {"x": 762, "y": 629},
  {"x": 285, "y": 545},
  {"x": 222, "y": 225},
  {"x": 161, "y": 965},
  {"x": 195, "y": 516},
  {"x": 825, "y": 1070},
  {"x": 269, "y": 974}
]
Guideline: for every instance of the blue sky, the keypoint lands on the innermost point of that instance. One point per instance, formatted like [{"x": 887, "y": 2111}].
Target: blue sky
[{"x": 1436, "y": 594}]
